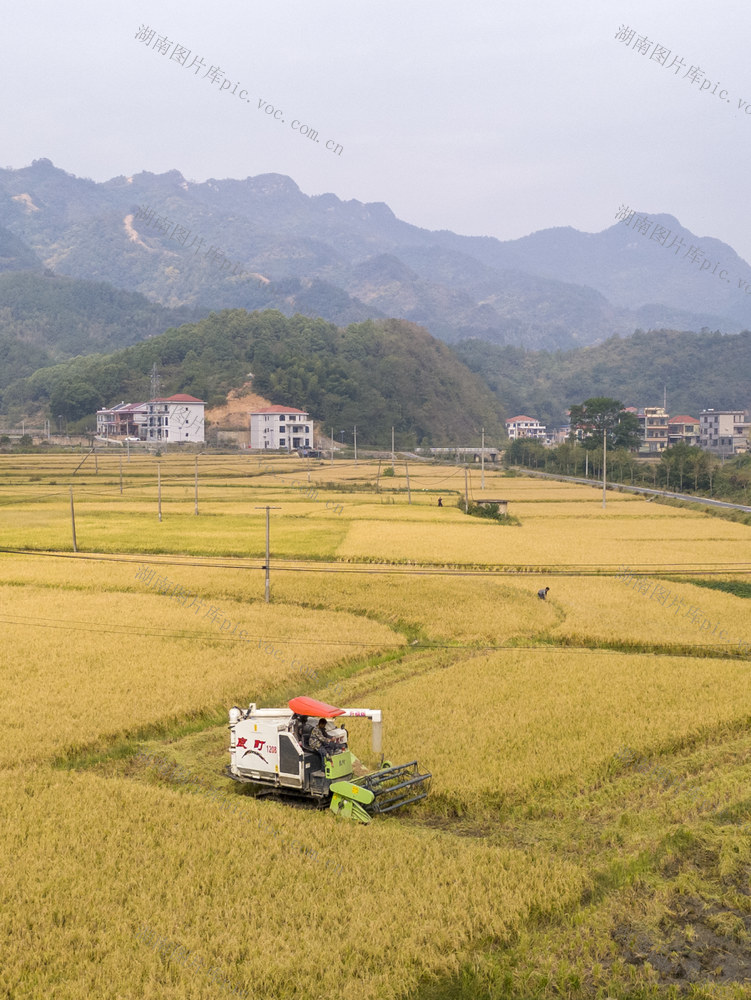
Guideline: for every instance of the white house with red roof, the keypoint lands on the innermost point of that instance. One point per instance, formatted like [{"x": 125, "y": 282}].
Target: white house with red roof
[
  {"x": 171, "y": 419},
  {"x": 280, "y": 428},
  {"x": 524, "y": 427},
  {"x": 174, "y": 419}
]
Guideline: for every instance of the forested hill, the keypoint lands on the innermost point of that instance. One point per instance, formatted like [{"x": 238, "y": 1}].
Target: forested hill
[
  {"x": 699, "y": 370},
  {"x": 46, "y": 318},
  {"x": 374, "y": 374}
]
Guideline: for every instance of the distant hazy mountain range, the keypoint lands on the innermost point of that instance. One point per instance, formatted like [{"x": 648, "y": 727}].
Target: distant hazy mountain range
[{"x": 188, "y": 247}]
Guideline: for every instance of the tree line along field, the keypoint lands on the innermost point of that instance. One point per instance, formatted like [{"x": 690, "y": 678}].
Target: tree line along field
[{"x": 588, "y": 828}]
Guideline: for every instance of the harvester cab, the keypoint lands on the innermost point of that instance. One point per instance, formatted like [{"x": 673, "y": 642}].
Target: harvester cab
[{"x": 302, "y": 751}]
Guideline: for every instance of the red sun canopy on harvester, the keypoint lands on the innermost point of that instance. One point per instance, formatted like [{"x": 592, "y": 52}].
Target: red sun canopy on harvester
[{"x": 309, "y": 706}]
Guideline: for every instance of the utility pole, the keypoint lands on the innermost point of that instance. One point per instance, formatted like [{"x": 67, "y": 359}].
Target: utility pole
[
  {"x": 409, "y": 492},
  {"x": 332, "y": 445},
  {"x": 604, "y": 465},
  {"x": 378, "y": 477},
  {"x": 466, "y": 492},
  {"x": 121, "y": 475},
  {"x": 482, "y": 460},
  {"x": 393, "y": 463},
  {"x": 159, "y": 489},
  {"x": 128, "y": 444},
  {"x": 96, "y": 462},
  {"x": 196, "y": 487},
  {"x": 73, "y": 520},
  {"x": 355, "y": 445},
  {"x": 266, "y": 567}
]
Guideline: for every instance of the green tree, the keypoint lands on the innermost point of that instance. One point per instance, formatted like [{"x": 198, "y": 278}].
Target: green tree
[
  {"x": 603, "y": 415},
  {"x": 74, "y": 399}
]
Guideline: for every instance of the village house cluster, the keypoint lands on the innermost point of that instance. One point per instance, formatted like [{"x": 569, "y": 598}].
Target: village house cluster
[
  {"x": 167, "y": 420},
  {"x": 723, "y": 432}
]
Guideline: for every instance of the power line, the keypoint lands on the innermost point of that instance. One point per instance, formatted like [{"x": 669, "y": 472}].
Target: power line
[
  {"x": 156, "y": 631},
  {"x": 160, "y": 633},
  {"x": 603, "y": 570}
]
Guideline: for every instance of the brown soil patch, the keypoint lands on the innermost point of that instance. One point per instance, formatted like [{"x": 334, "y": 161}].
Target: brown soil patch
[{"x": 235, "y": 412}]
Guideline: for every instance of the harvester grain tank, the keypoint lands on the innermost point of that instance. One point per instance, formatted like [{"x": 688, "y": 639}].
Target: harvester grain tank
[{"x": 279, "y": 750}]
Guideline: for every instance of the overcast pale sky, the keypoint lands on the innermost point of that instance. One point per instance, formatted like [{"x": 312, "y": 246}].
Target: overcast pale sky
[{"x": 486, "y": 117}]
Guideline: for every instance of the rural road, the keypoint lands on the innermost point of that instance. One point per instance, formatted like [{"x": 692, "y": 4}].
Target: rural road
[{"x": 597, "y": 484}]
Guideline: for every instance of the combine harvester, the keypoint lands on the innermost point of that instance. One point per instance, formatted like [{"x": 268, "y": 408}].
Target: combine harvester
[{"x": 271, "y": 749}]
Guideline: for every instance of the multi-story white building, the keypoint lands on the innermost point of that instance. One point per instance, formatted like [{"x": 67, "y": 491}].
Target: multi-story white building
[
  {"x": 653, "y": 422},
  {"x": 524, "y": 427},
  {"x": 280, "y": 428},
  {"x": 175, "y": 419},
  {"x": 725, "y": 432}
]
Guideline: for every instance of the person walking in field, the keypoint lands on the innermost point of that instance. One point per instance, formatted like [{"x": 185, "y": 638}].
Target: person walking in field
[
  {"x": 440, "y": 501},
  {"x": 542, "y": 594}
]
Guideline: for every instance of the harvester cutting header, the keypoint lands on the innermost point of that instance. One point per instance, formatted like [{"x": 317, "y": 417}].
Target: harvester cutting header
[{"x": 299, "y": 752}]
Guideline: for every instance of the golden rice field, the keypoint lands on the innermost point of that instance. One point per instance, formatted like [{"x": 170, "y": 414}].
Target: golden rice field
[{"x": 543, "y": 864}]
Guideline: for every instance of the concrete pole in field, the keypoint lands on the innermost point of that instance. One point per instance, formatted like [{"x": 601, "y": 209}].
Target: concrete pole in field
[
  {"x": 268, "y": 551},
  {"x": 196, "y": 487},
  {"x": 482, "y": 460},
  {"x": 604, "y": 466},
  {"x": 409, "y": 492},
  {"x": 355, "y": 444},
  {"x": 159, "y": 489},
  {"x": 466, "y": 492},
  {"x": 73, "y": 520},
  {"x": 121, "y": 475}
]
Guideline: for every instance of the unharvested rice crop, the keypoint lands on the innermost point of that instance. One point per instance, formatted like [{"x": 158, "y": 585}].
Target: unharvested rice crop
[
  {"x": 120, "y": 881},
  {"x": 108, "y": 663}
]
